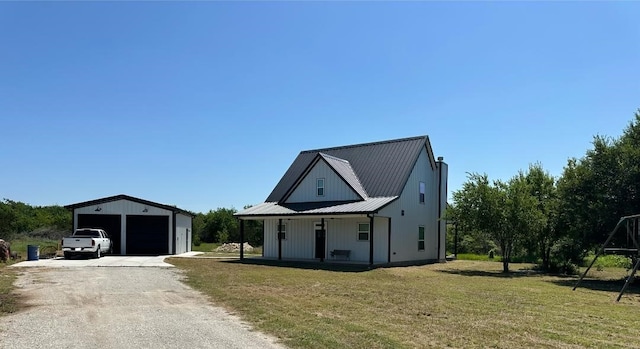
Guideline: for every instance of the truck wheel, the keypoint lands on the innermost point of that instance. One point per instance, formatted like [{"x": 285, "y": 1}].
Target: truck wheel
[
  {"x": 67, "y": 255},
  {"x": 97, "y": 255}
]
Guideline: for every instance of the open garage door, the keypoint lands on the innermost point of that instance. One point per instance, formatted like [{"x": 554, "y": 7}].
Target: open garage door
[
  {"x": 148, "y": 235},
  {"x": 111, "y": 223}
]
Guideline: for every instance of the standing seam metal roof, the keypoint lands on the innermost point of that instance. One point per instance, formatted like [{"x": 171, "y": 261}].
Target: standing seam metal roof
[
  {"x": 382, "y": 168},
  {"x": 344, "y": 170},
  {"x": 331, "y": 208}
]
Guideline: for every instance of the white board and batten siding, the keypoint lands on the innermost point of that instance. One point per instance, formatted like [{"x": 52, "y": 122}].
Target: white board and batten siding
[
  {"x": 183, "y": 233},
  {"x": 298, "y": 244},
  {"x": 335, "y": 189},
  {"x": 405, "y": 228},
  {"x": 341, "y": 234}
]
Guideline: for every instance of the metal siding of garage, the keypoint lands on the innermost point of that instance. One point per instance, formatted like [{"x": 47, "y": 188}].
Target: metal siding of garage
[
  {"x": 125, "y": 208},
  {"x": 183, "y": 233}
]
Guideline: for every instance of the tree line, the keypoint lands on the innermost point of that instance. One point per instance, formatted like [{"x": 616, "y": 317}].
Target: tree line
[
  {"x": 38, "y": 221},
  {"x": 221, "y": 226},
  {"x": 552, "y": 221},
  {"x": 18, "y": 219}
]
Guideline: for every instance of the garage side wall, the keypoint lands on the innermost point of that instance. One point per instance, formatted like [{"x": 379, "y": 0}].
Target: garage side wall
[
  {"x": 125, "y": 208},
  {"x": 183, "y": 233}
]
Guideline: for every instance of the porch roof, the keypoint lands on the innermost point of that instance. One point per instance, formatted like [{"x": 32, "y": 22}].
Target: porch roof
[{"x": 370, "y": 205}]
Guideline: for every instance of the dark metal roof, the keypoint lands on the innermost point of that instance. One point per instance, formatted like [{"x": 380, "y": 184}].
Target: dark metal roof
[
  {"x": 129, "y": 198},
  {"x": 382, "y": 168},
  {"x": 343, "y": 169}
]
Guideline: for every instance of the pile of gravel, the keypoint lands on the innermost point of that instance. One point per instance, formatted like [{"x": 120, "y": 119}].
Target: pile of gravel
[{"x": 234, "y": 247}]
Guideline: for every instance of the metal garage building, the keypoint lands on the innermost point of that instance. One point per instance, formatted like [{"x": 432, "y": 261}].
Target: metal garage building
[{"x": 137, "y": 226}]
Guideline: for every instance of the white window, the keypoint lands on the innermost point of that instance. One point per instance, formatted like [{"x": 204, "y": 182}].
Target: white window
[
  {"x": 363, "y": 231},
  {"x": 421, "y": 238},
  {"x": 282, "y": 231},
  {"x": 320, "y": 187},
  {"x": 422, "y": 192}
]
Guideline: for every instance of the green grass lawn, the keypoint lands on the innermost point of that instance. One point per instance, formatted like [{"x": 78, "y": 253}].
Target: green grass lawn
[
  {"x": 205, "y": 247},
  {"x": 460, "y": 304},
  {"x": 209, "y": 251},
  {"x": 46, "y": 246},
  {"x": 478, "y": 257}
]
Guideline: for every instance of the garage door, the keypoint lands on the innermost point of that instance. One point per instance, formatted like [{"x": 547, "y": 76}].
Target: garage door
[
  {"x": 148, "y": 235},
  {"x": 111, "y": 223}
]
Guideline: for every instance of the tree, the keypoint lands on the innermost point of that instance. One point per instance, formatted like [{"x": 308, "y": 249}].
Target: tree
[
  {"x": 480, "y": 205},
  {"x": 7, "y": 217},
  {"x": 253, "y": 231},
  {"x": 504, "y": 212},
  {"x": 523, "y": 216},
  {"x": 218, "y": 226},
  {"x": 544, "y": 235},
  {"x": 598, "y": 189}
]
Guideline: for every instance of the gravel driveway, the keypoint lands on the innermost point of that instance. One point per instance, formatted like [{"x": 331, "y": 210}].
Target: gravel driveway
[{"x": 120, "y": 308}]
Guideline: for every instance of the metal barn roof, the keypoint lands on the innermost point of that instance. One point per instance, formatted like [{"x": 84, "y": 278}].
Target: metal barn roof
[{"x": 382, "y": 168}]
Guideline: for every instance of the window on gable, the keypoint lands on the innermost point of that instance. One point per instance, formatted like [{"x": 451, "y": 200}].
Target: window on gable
[
  {"x": 363, "y": 231},
  {"x": 421, "y": 238},
  {"x": 320, "y": 187},
  {"x": 422, "y": 189},
  {"x": 282, "y": 232}
]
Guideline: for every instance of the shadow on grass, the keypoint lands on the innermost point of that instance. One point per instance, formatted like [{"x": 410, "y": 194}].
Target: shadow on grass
[
  {"x": 311, "y": 265},
  {"x": 600, "y": 285},
  {"x": 497, "y": 274}
]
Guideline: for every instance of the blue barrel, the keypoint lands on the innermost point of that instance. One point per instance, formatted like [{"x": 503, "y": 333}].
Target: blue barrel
[{"x": 33, "y": 252}]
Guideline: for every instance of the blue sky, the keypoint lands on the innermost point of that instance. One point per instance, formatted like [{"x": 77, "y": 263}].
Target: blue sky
[{"x": 206, "y": 104}]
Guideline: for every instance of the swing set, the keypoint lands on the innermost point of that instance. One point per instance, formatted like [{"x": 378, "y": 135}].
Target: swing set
[{"x": 631, "y": 249}]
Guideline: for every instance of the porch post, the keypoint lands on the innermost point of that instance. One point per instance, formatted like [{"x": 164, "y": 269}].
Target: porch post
[
  {"x": 241, "y": 239},
  {"x": 280, "y": 239},
  {"x": 371, "y": 240},
  {"x": 324, "y": 239}
]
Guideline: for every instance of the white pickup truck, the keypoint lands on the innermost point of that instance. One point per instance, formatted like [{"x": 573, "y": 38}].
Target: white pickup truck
[{"x": 85, "y": 241}]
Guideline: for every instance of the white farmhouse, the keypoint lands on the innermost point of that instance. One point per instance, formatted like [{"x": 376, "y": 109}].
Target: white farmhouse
[{"x": 375, "y": 203}]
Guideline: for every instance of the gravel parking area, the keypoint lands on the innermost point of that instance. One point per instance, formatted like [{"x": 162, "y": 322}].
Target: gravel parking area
[{"x": 117, "y": 307}]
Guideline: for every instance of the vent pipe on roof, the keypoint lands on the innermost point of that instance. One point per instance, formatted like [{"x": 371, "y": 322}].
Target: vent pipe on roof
[{"x": 440, "y": 158}]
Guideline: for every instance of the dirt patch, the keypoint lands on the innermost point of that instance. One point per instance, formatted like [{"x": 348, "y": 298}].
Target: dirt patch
[{"x": 234, "y": 247}]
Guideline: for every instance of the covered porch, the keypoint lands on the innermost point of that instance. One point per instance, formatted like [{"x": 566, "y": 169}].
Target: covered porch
[
  {"x": 334, "y": 237},
  {"x": 350, "y": 231}
]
